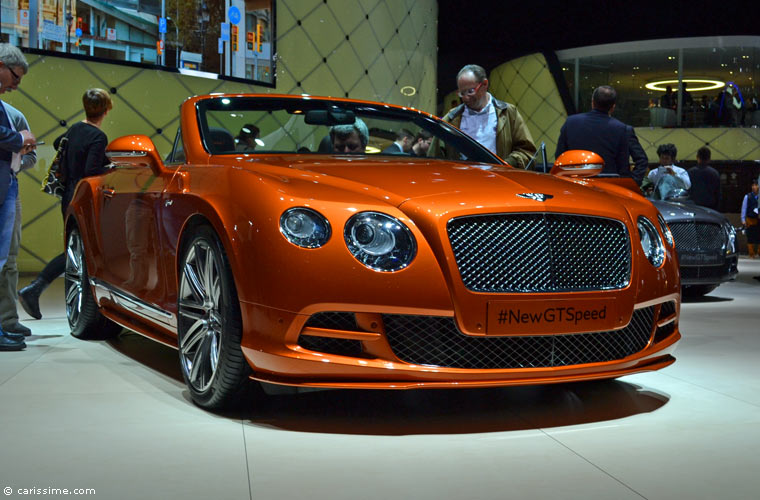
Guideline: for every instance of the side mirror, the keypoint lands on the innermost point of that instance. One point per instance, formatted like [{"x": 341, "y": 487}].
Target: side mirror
[
  {"x": 135, "y": 150},
  {"x": 578, "y": 163}
]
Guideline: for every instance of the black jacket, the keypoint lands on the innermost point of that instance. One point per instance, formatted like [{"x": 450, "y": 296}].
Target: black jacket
[{"x": 598, "y": 132}]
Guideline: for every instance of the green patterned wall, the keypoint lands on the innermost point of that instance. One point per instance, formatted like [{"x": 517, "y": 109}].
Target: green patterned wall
[{"x": 365, "y": 49}]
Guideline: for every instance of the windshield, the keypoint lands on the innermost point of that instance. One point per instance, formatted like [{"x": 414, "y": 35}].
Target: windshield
[{"x": 261, "y": 125}]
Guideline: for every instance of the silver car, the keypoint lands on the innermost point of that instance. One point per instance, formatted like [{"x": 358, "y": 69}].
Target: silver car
[{"x": 705, "y": 243}]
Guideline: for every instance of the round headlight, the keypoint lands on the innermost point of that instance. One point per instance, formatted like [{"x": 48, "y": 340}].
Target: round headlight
[
  {"x": 651, "y": 242},
  {"x": 665, "y": 230},
  {"x": 379, "y": 241},
  {"x": 730, "y": 246},
  {"x": 305, "y": 227}
]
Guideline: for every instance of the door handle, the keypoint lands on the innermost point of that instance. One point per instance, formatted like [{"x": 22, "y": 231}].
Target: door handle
[{"x": 108, "y": 192}]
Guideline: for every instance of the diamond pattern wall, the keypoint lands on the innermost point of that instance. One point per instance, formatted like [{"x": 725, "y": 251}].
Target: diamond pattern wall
[{"x": 365, "y": 49}]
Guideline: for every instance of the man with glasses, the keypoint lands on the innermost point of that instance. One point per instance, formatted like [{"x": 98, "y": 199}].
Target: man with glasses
[
  {"x": 13, "y": 145},
  {"x": 497, "y": 125}
]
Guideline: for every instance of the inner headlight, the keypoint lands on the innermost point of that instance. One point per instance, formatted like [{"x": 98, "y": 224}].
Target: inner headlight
[
  {"x": 665, "y": 230},
  {"x": 730, "y": 246},
  {"x": 305, "y": 227},
  {"x": 379, "y": 241},
  {"x": 651, "y": 242}
]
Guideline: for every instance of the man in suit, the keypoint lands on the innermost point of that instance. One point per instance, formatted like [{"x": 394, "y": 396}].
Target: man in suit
[
  {"x": 597, "y": 131},
  {"x": 9, "y": 322},
  {"x": 403, "y": 144},
  {"x": 13, "y": 145}
]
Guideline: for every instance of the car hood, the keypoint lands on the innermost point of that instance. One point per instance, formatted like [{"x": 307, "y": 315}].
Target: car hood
[
  {"x": 451, "y": 187},
  {"x": 681, "y": 212}
]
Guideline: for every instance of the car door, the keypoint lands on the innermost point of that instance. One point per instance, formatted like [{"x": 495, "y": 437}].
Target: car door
[{"x": 128, "y": 201}]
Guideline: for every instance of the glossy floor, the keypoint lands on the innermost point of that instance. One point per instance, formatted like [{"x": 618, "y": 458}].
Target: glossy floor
[{"x": 115, "y": 417}]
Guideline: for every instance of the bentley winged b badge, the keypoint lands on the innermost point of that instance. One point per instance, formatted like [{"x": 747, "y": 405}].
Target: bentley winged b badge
[{"x": 536, "y": 196}]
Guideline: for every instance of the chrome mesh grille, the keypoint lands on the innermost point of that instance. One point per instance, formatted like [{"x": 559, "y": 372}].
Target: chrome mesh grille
[
  {"x": 697, "y": 237},
  {"x": 433, "y": 340},
  {"x": 504, "y": 253}
]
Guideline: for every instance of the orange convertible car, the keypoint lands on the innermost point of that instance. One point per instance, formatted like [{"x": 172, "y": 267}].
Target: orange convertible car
[{"x": 300, "y": 240}]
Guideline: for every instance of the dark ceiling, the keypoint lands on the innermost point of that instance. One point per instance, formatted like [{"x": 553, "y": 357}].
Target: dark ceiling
[{"x": 490, "y": 32}]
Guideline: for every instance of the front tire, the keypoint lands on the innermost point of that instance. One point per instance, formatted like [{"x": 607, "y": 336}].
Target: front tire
[
  {"x": 210, "y": 325},
  {"x": 693, "y": 291},
  {"x": 85, "y": 320}
]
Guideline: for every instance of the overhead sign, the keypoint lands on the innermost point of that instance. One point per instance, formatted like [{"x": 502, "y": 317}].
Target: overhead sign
[{"x": 234, "y": 14}]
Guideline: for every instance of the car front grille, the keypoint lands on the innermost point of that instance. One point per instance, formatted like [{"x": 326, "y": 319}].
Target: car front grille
[
  {"x": 520, "y": 253},
  {"x": 433, "y": 340},
  {"x": 698, "y": 237}
]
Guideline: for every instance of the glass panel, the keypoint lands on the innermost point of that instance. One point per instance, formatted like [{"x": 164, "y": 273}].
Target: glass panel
[
  {"x": 720, "y": 83},
  {"x": 188, "y": 37}
]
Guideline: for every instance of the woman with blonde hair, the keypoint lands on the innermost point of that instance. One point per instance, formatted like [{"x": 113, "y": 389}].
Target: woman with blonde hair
[{"x": 84, "y": 156}]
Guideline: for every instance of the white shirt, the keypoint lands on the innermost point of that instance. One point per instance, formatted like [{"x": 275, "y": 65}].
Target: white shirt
[
  {"x": 481, "y": 125},
  {"x": 655, "y": 174}
]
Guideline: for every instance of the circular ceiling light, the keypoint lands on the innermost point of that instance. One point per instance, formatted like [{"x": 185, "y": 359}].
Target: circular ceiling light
[
  {"x": 705, "y": 84},
  {"x": 408, "y": 91}
]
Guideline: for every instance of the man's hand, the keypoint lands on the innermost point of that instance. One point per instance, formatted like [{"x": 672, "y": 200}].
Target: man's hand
[{"x": 30, "y": 142}]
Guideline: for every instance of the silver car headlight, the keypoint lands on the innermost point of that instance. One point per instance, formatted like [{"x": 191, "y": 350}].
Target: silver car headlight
[
  {"x": 730, "y": 245},
  {"x": 305, "y": 227},
  {"x": 651, "y": 242},
  {"x": 379, "y": 241},
  {"x": 665, "y": 230}
]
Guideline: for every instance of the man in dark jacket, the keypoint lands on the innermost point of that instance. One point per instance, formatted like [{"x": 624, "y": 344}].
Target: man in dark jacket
[
  {"x": 597, "y": 131},
  {"x": 705, "y": 181}
]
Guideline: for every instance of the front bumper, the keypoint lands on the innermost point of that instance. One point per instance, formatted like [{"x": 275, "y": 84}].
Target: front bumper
[{"x": 379, "y": 350}]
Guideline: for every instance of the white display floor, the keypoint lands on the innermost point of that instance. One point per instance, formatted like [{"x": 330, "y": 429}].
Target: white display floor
[{"x": 115, "y": 417}]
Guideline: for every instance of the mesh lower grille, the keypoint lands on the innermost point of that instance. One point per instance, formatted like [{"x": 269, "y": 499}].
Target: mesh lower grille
[
  {"x": 540, "y": 252},
  {"x": 667, "y": 309},
  {"x": 343, "y": 347},
  {"x": 333, "y": 320},
  {"x": 432, "y": 340},
  {"x": 697, "y": 237},
  {"x": 704, "y": 272}
]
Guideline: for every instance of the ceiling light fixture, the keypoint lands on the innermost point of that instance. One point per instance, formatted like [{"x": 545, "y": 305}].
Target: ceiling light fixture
[{"x": 702, "y": 84}]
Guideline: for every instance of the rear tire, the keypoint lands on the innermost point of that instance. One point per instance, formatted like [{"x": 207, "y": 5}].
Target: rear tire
[
  {"x": 85, "y": 320},
  {"x": 210, "y": 326}
]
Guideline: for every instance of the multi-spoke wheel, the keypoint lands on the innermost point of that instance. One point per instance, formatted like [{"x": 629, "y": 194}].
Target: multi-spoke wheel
[
  {"x": 83, "y": 314},
  {"x": 209, "y": 324}
]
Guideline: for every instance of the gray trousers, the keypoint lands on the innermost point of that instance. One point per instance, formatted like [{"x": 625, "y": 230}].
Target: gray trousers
[{"x": 9, "y": 276}]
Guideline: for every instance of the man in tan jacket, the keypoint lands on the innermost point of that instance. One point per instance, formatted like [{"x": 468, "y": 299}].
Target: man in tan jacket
[{"x": 497, "y": 125}]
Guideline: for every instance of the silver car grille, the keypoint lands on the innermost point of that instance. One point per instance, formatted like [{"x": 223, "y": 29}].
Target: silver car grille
[
  {"x": 520, "y": 253},
  {"x": 698, "y": 237}
]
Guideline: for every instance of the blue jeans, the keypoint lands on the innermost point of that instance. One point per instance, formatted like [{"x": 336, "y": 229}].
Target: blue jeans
[{"x": 7, "y": 219}]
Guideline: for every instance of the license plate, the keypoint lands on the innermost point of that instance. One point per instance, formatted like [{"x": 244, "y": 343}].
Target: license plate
[{"x": 542, "y": 317}]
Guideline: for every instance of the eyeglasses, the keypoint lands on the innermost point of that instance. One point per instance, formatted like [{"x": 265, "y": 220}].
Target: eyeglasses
[
  {"x": 468, "y": 92},
  {"x": 15, "y": 76}
]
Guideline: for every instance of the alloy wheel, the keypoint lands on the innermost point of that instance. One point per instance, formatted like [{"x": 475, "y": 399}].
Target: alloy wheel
[{"x": 200, "y": 316}]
